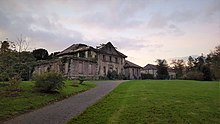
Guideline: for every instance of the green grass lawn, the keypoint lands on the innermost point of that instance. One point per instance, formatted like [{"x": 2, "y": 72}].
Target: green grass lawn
[
  {"x": 154, "y": 101},
  {"x": 30, "y": 99}
]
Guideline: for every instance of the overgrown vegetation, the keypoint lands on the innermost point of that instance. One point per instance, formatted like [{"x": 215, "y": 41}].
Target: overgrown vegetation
[
  {"x": 14, "y": 83},
  {"x": 49, "y": 82},
  {"x": 205, "y": 68},
  {"x": 28, "y": 98},
  {"x": 14, "y": 62},
  {"x": 147, "y": 76},
  {"x": 153, "y": 101},
  {"x": 113, "y": 75}
]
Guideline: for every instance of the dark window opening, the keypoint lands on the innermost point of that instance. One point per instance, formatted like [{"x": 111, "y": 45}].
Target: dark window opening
[
  {"x": 89, "y": 54},
  {"x": 104, "y": 70},
  {"x": 116, "y": 59},
  {"x": 82, "y": 54},
  {"x": 103, "y": 57}
]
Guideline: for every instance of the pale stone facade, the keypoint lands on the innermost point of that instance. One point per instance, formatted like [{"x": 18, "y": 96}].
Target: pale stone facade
[
  {"x": 82, "y": 60},
  {"x": 110, "y": 59}
]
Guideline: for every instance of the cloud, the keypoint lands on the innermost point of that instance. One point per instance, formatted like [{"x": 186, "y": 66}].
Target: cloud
[
  {"x": 148, "y": 26},
  {"x": 42, "y": 30}
]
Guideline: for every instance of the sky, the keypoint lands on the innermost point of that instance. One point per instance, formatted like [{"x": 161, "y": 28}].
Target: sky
[{"x": 144, "y": 30}]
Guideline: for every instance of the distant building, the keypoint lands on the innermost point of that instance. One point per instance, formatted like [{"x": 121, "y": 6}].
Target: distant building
[
  {"x": 150, "y": 69},
  {"x": 82, "y": 60},
  {"x": 172, "y": 73},
  {"x": 132, "y": 71}
]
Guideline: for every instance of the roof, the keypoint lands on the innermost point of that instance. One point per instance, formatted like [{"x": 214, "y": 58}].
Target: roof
[
  {"x": 105, "y": 47},
  {"x": 150, "y": 67},
  {"x": 75, "y": 48},
  {"x": 130, "y": 64}
]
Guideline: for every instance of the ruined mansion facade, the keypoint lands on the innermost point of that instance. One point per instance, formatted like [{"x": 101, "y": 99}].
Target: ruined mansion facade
[{"x": 83, "y": 60}]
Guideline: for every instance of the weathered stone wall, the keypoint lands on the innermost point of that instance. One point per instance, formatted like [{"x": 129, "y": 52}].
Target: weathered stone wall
[
  {"x": 105, "y": 64},
  {"x": 132, "y": 73},
  {"x": 75, "y": 68},
  {"x": 55, "y": 66}
]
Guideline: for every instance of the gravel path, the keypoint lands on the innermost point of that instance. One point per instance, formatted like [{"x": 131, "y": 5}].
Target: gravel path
[{"x": 62, "y": 111}]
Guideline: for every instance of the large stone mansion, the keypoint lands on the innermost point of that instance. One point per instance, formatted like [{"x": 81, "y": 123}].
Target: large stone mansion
[{"x": 93, "y": 63}]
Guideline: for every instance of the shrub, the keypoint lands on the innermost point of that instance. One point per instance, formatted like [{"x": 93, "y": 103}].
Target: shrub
[
  {"x": 14, "y": 83},
  {"x": 194, "y": 75},
  {"x": 112, "y": 75},
  {"x": 81, "y": 79},
  {"x": 147, "y": 76},
  {"x": 49, "y": 82},
  {"x": 103, "y": 78},
  {"x": 121, "y": 76}
]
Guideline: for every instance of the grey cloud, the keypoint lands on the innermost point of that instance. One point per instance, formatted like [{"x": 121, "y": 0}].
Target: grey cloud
[
  {"x": 134, "y": 44},
  {"x": 114, "y": 14},
  {"x": 52, "y": 36},
  {"x": 186, "y": 12}
]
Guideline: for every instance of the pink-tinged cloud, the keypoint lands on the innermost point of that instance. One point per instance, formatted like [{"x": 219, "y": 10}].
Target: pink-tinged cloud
[{"x": 144, "y": 30}]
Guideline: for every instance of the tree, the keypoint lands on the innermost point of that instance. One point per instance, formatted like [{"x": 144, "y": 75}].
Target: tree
[
  {"x": 214, "y": 61},
  {"x": 207, "y": 73},
  {"x": 190, "y": 63},
  {"x": 162, "y": 69},
  {"x": 6, "y": 46},
  {"x": 178, "y": 66},
  {"x": 21, "y": 44},
  {"x": 14, "y": 63},
  {"x": 40, "y": 54},
  {"x": 201, "y": 69}
]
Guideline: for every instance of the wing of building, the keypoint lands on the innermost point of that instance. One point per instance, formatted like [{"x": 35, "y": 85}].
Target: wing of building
[
  {"x": 132, "y": 71},
  {"x": 83, "y": 60}
]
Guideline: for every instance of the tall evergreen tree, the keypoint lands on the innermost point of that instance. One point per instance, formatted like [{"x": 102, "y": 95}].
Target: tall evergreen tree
[
  {"x": 162, "y": 69},
  {"x": 178, "y": 66}
]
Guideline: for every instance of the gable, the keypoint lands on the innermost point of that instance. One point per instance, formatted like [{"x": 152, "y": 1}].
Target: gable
[{"x": 110, "y": 49}]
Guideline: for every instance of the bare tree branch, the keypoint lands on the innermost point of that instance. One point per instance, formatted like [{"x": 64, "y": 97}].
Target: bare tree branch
[{"x": 21, "y": 44}]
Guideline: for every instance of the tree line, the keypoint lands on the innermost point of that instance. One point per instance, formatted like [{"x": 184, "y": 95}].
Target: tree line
[
  {"x": 200, "y": 68},
  {"x": 17, "y": 62}
]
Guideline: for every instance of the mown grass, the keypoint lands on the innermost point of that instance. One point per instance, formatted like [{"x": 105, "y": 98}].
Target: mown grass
[
  {"x": 139, "y": 102},
  {"x": 29, "y": 99}
]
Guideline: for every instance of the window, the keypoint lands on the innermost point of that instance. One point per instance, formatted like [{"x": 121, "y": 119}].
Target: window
[
  {"x": 89, "y": 54},
  {"x": 82, "y": 54},
  {"x": 103, "y": 57},
  {"x": 74, "y": 55},
  {"x": 104, "y": 70},
  {"x": 116, "y": 59},
  {"x": 122, "y": 60},
  {"x": 110, "y": 67},
  {"x": 110, "y": 58}
]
